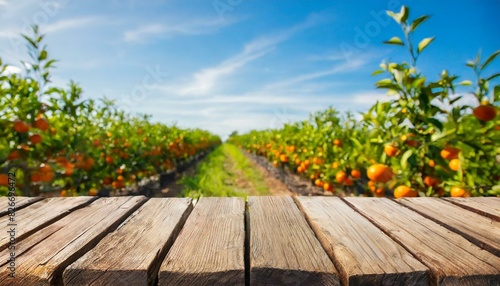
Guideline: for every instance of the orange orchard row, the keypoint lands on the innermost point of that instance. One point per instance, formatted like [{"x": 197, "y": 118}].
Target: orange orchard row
[
  {"x": 58, "y": 142},
  {"x": 331, "y": 159}
]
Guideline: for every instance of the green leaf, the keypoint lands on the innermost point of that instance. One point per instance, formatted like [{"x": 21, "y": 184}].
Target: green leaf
[
  {"x": 496, "y": 93},
  {"x": 465, "y": 83},
  {"x": 404, "y": 159},
  {"x": 424, "y": 43},
  {"x": 471, "y": 64},
  {"x": 405, "y": 12},
  {"x": 384, "y": 82},
  {"x": 490, "y": 59},
  {"x": 418, "y": 21},
  {"x": 438, "y": 124},
  {"x": 377, "y": 72},
  {"x": 43, "y": 55},
  {"x": 493, "y": 76},
  {"x": 356, "y": 142},
  {"x": 395, "y": 16},
  {"x": 395, "y": 41}
]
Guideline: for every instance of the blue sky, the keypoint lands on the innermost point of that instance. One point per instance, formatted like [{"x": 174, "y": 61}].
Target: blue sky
[{"x": 225, "y": 65}]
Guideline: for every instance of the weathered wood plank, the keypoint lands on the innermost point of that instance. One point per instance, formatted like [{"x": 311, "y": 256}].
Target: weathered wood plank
[
  {"x": 452, "y": 259},
  {"x": 143, "y": 241},
  {"x": 42, "y": 256},
  {"x": 363, "y": 253},
  {"x": 210, "y": 248},
  {"x": 481, "y": 230},
  {"x": 283, "y": 248},
  {"x": 37, "y": 216},
  {"x": 20, "y": 202},
  {"x": 487, "y": 206}
]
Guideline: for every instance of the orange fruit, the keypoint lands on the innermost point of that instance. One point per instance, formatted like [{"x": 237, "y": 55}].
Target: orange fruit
[
  {"x": 92, "y": 192},
  {"x": 64, "y": 193},
  {"x": 275, "y": 163},
  {"x": 432, "y": 163},
  {"x": 97, "y": 143},
  {"x": 348, "y": 182},
  {"x": 372, "y": 185},
  {"x": 404, "y": 191},
  {"x": 450, "y": 153},
  {"x": 356, "y": 174},
  {"x": 318, "y": 183},
  {"x": 390, "y": 150},
  {"x": 300, "y": 169},
  {"x": 107, "y": 181},
  {"x": 42, "y": 124},
  {"x": 4, "y": 180},
  {"x": 297, "y": 162},
  {"x": 284, "y": 158},
  {"x": 458, "y": 192},
  {"x": 379, "y": 192},
  {"x": 337, "y": 143},
  {"x": 430, "y": 181},
  {"x": 21, "y": 126},
  {"x": 380, "y": 173},
  {"x": 36, "y": 138},
  {"x": 340, "y": 176},
  {"x": 109, "y": 160},
  {"x": 327, "y": 187},
  {"x": 335, "y": 165},
  {"x": 485, "y": 112},
  {"x": 13, "y": 155},
  {"x": 454, "y": 164}
]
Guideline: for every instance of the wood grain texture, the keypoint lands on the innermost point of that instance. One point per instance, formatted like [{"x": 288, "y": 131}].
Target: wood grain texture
[
  {"x": 283, "y": 248},
  {"x": 42, "y": 257},
  {"x": 210, "y": 248},
  {"x": 479, "y": 229},
  {"x": 487, "y": 206},
  {"x": 363, "y": 253},
  {"x": 20, "y": 202},
  {"x": 132, "y": 254},
  {"x": 37, "y": 216},
  {"x": 452, "y": 259}
]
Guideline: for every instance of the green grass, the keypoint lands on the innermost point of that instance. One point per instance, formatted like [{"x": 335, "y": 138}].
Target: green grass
[{"x": 226, "y": 172}]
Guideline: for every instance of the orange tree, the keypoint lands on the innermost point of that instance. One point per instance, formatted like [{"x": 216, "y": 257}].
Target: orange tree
[
  {"x": 419, "y": 143},
  {"x": 58, "y": 142}
]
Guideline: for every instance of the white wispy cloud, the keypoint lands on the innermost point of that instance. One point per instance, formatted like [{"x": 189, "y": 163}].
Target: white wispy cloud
[
  {"x": 206, "y": 79},
  {"x": 68, "y": 24},
  {"x": 146, "y": 32}
]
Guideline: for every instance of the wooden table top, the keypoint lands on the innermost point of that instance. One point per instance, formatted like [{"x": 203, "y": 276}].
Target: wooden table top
[{"x": 258, "y": 241}]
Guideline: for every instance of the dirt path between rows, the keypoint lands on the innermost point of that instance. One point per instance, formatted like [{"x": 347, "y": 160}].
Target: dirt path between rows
[
  {"x": 276, "y": 187},
  {"x": 239, "y": 181}
]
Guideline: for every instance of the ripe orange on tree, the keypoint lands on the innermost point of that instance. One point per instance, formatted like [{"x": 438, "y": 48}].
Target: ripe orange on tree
[
  {"x": 92, "y": 192},
  {"x": 404, "y": 191},
  {"x": 431, "y": 181},
  {"x": 13, "y": 155},
  {"x": 485, "y": 112},
  {"x": 450, "y": 153},
  {"x": 356, "y": 174},
  {"x": 328, "y": 187},
  {"x": 21, "y": 126},
  {"x": 275, "y": 163},
  {"x": 454, "y": 164},
  {"x": 458, "y": 192},
  {"x": 380, "y": 173},
  {"x": 340, "y": 176},
  {"x": 64, "y": 193},
  {"x": 348, "y": 182},
  {"x": 4, "y": 180},
  {"x": 318, "y": 183},
  {"x": 337, "y": 142},
  {"x": 36, "y": 138},
  {"x": 284, "y": 158},
  {"x": 390, "y": 150},
  {"x": 42, "y": 124},
  {"x": 432, "y": 164}
]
